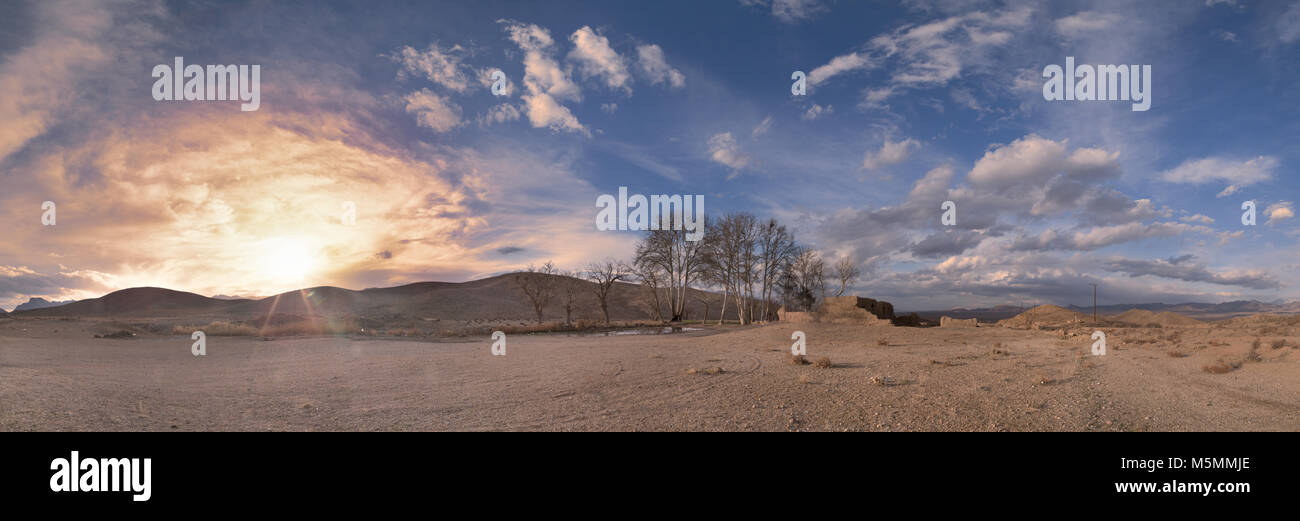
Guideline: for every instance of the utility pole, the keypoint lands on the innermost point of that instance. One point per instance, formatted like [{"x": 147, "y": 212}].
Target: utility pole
[{"x": 1094, "y": 303}]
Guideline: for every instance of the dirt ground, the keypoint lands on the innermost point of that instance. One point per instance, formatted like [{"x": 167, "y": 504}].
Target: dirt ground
[{"x": 55, "y": 376}]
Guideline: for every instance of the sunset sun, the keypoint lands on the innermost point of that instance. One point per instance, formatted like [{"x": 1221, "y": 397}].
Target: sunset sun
[{"x": 288, "y": 260}]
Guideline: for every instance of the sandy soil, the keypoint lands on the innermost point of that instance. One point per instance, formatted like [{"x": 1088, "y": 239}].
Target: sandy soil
[{"x": 54, "y": 376}]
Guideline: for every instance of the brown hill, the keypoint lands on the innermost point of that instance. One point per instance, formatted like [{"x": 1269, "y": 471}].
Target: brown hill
[
  {"x": 493, "y": 298},
  {"x": 1142, "y": 317},
  {"x": 1045, "y": 315},
  {"x": 139, "y": 302}
]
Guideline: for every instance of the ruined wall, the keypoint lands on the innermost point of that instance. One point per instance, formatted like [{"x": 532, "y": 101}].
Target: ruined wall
[
  {"x": 796, "y": 317},
  {"x": 957, "y": 322}
]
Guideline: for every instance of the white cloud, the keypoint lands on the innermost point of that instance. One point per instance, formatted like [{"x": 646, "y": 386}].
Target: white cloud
[
  {"x": 544, "y": 80},
  {"x": 1198, "y": 218},
  {"x": 1101, "y": 236},
  {"x": 935, "y": 53},
  {"x": 500, "y": 114},
  {"x": 441, "y": 66},
  {"x": 1086, "y": 22},
  {"x": 1236, "y": 173},
  {"x": 816, "y": 111},
  {"x": 596, "y": 59},
  {"x": 762, "y": 127},
  {"x": 1279, "y": 211},
  {"x": 433, "y": 111},
  {"x": 724, "y": 150},
  {"x": 890, "y": 153},
  {"x": 789, "y": 11},
  {"x": 1288, "y": 25},
  {"x": 609, "y": 108},
  {"x": 839, "y": 65},
  {"x": 1032, "y": 160},
  {"x": 655, "y": 67}
]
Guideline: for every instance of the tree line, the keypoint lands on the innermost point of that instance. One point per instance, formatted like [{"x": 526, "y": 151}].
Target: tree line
[{"x": 756, "y": 265}]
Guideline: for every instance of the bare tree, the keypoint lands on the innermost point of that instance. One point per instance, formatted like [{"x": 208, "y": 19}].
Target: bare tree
[
  {"x": 651, "y": 281},
  {"x": 668, "y": 258},
  {"x": 803, "y": 280},
  {"x": 777, "y": 249},
  {"x": 730, "y": 261},
  {"x": 847, "y": 271},
  {"x": 538, "y": 284},
  {"x": 569, "y": 286},
  {"x": 605, "y": 274}
]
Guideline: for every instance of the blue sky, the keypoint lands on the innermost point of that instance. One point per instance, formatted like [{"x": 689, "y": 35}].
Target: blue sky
[{"x": 908, "y": 104}]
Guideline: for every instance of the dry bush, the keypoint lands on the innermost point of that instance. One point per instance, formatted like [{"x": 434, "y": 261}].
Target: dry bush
[
  {"x": 798, "y": 360},
  {"x": 823, "y": 363},
  {"x": 804, "y": 378},
  {"x": 1279, "y": 343},
  {"x": 1221, "y": 366},
  {"x": 220, "y": 328},
  {"x": 879, "y": 380},
  {"x": 1255, "y": 345},
  {"x": 882, "y": 342},
  {"x": 1174, "y": 353}
]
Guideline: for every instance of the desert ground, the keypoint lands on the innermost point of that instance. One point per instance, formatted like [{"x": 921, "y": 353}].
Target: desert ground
[{"x": 55, "y": 376}]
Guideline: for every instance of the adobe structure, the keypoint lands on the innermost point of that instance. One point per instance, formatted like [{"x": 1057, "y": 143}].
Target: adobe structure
[
  {"x": 845, "y": 310},
  {"x": 947, "y": 321}
]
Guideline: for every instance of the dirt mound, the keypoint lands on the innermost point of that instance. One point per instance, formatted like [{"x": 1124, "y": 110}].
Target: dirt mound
[
  {"x": 1045, "y": 315},
  {"x": 1142, "y": 317}
]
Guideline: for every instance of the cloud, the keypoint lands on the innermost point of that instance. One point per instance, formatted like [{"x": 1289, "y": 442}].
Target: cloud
[
  {"x": 1288, "y": 25},
  {"x": 1198, "y": 218},
  {"x": 545, "y": 82},
  {"x": 653, "y": 65},
  {"x": 1033, "y": 160},
  {"x": 1181, "y": 270},
  {"x": 500, "y": 114},
  {"x": 724, "y": 151},
  {"x": 1279, "y": 211},
  {"x": 935, "y": 53},
  {"x": 890, "y": 153},
  {"x": 1099, "y": 237},
  {"x": 432, "y": 110},
  {"x": 1085, "y": 23},
  {"x": 816, "y": 111},
  {"x": 596, "y": 59},
  {"x": 40, "y": 78},
  {"x": 763, "y": 127},
  {"x": 1235, "y": 172},
  {"x": 609, "y": 108},
  {"x": 789, "y": 11},
  {"x": 839, "y": 65},
  {"x": 441, "y": 66}
]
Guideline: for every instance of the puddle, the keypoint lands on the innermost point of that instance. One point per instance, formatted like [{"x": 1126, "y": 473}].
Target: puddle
[{"x": 643, "y": 331}]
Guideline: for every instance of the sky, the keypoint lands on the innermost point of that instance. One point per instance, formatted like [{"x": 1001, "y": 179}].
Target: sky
[{"x": 387, "y": 110}]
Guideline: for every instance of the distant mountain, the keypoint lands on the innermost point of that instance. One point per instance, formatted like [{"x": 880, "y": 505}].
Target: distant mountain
[
  {"x": 40, "y": 303},
  {"x": 232, "y": 297},
  {"x": 1196, "y": 310}
]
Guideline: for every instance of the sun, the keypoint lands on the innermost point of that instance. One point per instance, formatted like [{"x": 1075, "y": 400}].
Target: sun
[{"x": 288, "y": 260}]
